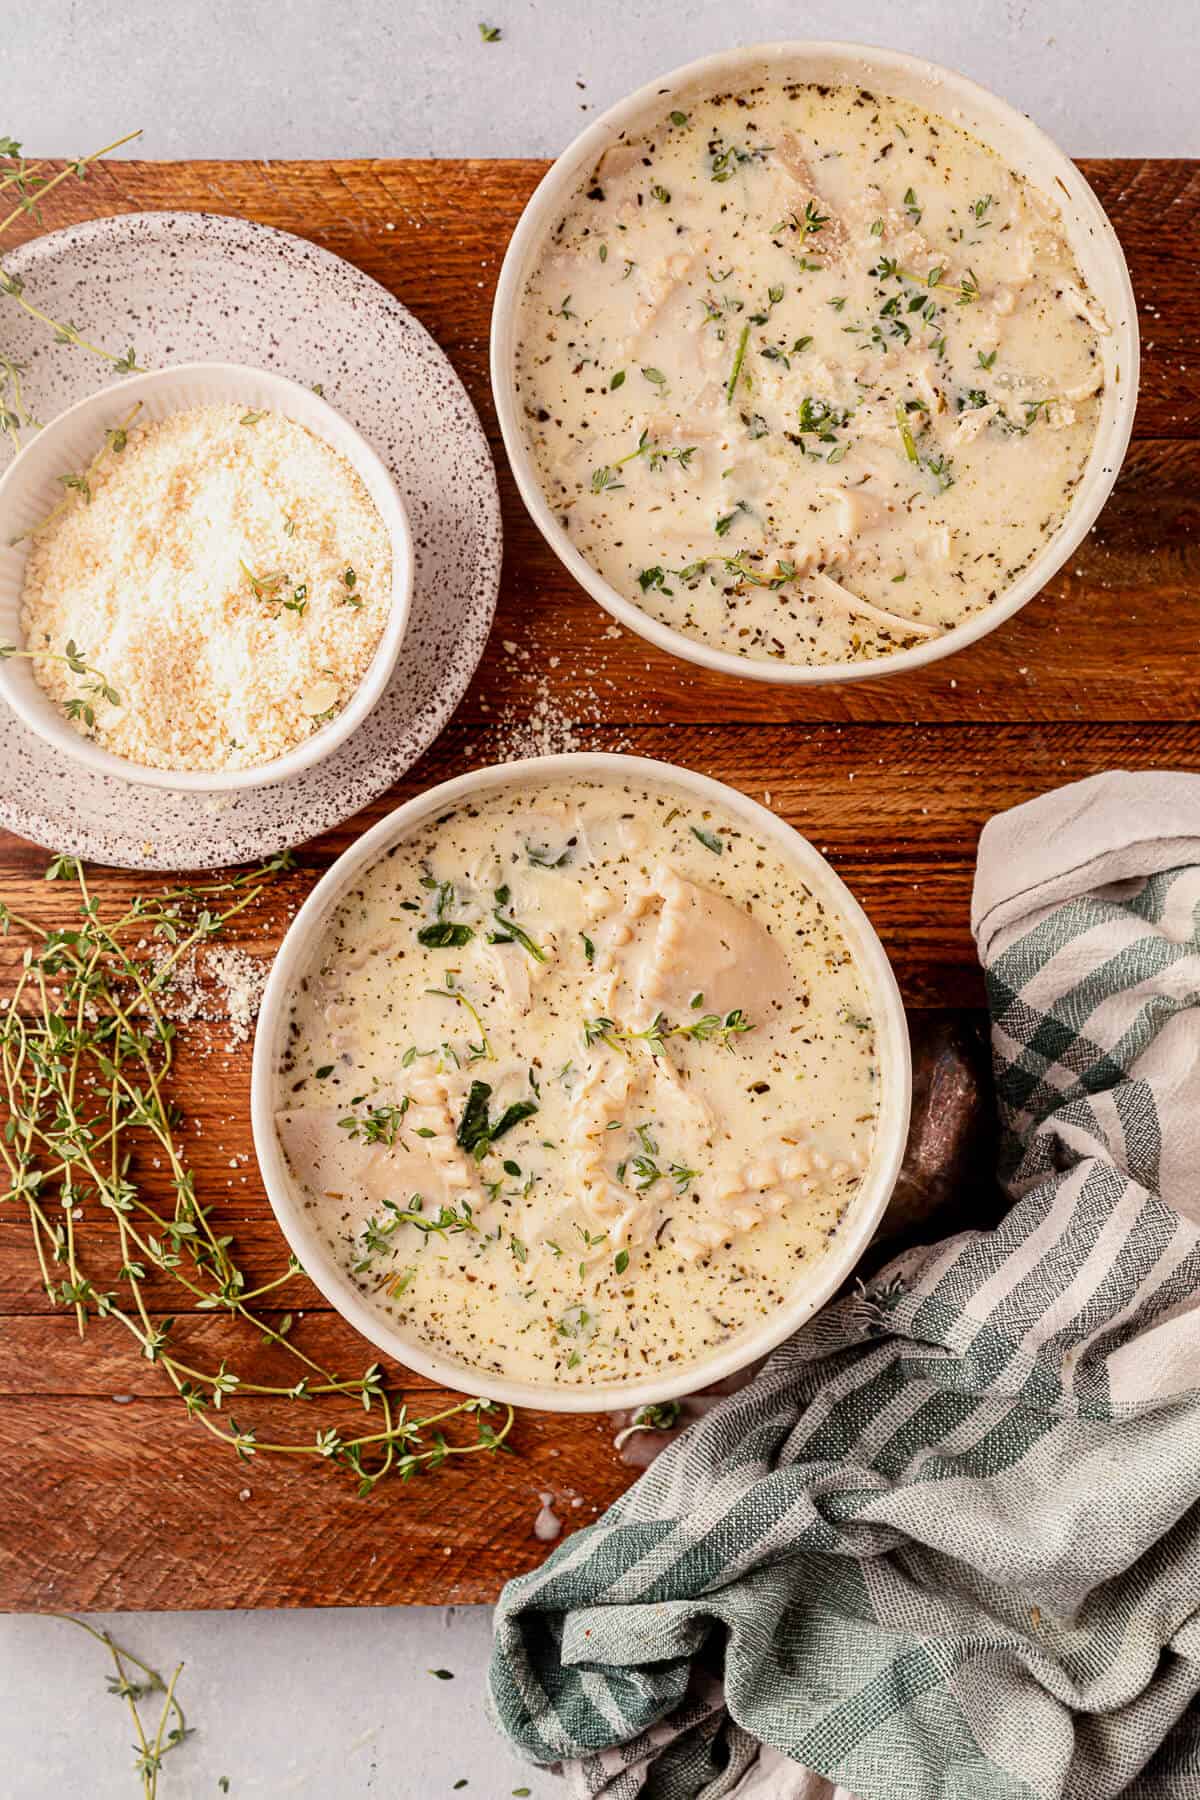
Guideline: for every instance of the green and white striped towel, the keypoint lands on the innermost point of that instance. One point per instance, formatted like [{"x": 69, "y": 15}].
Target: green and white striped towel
[{"x": 946, "y": 1546}]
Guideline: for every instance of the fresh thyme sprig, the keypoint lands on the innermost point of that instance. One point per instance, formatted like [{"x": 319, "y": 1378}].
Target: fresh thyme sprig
[
  {"x": 86, "y": 1054},
  {"x": 605, "y": 478},
  {"x": 711, "y": 1028},
  {"x": 938, "y": 465},
  {"x": 264, "y": 587},
  {"x": 172, "y": 1727},
  {"x": 662, "y": 1416},
  {"x": 481, "y": 1051},
  {"x": 80, "y": 481},
  {"x": 24, "y": 182},
  {"x": 966, "y": 287},
  {"x": 739, "y": 357},
  {"x": 15, "y": 415},
  {"x": 377, "y": 1238},
  {"x": 78, "y": 706}
]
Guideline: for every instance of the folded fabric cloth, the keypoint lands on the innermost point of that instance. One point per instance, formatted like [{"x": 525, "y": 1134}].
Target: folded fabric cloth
[{"x": 947, "y": 1543}]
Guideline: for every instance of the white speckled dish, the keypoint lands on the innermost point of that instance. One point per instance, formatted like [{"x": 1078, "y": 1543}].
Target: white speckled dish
[
  {"x": 198, "y": 287},
  {"x": 29, "y": 490}
]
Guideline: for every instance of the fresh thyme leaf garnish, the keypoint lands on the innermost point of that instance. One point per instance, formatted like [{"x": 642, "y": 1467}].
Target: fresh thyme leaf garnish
[
  {"x": 664, "y": 1415},
  {"x": 819, "y": 416},
  {"x": 76, "y": 706},
  {"x": 709, "y": 839},
  {"x": 938, "y": 465},
  {"x": 379, "y": 1125},
  {"x": 711, "y": 1028},
  {"x": 607, "y": 476},
  {"x": 264, "y": 587},
  {"x": 739, "y": 358},
  {"x": 714, "y": 1026},
  {"x": 479, "y": 1052},
  {"x": 444, "y": 933},
  {"x": 378, "y": 1239},
  {"x": 491, "y": 34},
  {"x": 115, "y": 440},
  {"x": 511, "y": 932}
]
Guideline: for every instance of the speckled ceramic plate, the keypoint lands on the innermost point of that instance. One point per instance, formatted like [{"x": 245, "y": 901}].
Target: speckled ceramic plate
[{"x": 187, "y": 287}]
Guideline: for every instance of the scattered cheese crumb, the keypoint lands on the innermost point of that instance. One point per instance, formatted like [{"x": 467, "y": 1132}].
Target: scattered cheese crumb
[{"x": 227, "y": 986}]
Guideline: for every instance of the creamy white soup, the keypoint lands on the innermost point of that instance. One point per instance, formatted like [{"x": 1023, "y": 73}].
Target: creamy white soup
[
  {"x": 807, "y": 374},
  {"x": 579, "y": 1082}
]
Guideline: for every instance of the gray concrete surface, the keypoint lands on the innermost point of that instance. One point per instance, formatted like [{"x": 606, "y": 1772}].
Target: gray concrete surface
[
  {"x": 236, "y": 78},
  {"x": 286, "y": 1706}
]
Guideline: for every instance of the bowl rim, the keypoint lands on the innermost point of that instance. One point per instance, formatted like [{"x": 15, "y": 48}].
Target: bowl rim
[
  {"x": 1105, "y": 458},
  {"x": 854, "y": 1231},
  {"x": 389, "y": 503}
]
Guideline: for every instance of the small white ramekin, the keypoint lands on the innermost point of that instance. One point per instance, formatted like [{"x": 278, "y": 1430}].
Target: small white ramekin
[
  {"x": 853, "y": 1233},
  {"x": 31, "y": 486},
  {"x": 1012, "y": 136}
]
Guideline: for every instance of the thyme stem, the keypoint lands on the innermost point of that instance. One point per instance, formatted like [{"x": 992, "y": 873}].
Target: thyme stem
[{"x": 86, "y": 1053}]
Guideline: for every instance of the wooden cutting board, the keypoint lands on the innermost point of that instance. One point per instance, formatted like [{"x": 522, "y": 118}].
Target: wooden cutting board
[{"x": 110, "y": 1505}]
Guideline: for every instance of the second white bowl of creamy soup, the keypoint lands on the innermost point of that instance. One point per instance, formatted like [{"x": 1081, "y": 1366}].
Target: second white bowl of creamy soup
[
  {"x": 814, "y": 362},
  {"x": 580, "y": 1083}
]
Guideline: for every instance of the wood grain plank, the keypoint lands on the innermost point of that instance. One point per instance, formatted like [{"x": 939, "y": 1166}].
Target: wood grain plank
[
  {"x": 1140, "y": 561},
  {"x": 384, "y": 216},
  {"x": 113, "y": 1505},
  {"x": 897, "y": 809},
  {"x": 1115, "y": 636},
  {"x": 121, "y": 1504}
]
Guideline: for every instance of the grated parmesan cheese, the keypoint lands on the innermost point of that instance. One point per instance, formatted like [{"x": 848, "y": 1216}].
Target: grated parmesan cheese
[
  {"x": 225, "y": 986},
  {"x": 231, "y": 578}
]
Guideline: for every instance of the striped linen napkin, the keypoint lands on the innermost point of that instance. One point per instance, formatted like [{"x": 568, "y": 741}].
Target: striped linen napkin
[{"x": 946, "y": 1546}]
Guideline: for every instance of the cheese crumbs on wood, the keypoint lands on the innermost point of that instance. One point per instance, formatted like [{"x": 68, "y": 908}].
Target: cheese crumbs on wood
[{"x": 231, "y": 576}]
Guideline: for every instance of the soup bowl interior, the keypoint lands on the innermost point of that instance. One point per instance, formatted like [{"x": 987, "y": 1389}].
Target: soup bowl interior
[
  {"x": 853, "y": 1231},
  {"x": 1013, "y": 137}
]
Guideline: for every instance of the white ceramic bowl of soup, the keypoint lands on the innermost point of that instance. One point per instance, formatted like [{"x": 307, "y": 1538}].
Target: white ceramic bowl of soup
[
  {"x": 999, "y": 128},
  {"x": 856, "y": 1225},
  {"x": 31, "y": 487}
]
